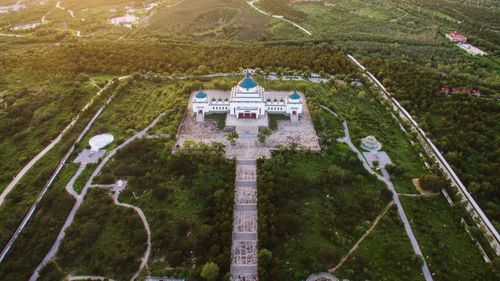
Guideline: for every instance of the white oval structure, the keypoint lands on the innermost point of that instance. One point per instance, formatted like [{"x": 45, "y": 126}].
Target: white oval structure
[{"x": 100, "y": 141}]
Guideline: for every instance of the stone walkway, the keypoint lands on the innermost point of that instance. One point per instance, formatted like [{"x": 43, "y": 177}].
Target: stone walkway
[{"x": 245, "y": 240}]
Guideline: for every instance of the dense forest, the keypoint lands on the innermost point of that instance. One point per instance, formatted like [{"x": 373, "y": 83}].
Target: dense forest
[
  {"x": 171, "y": 58},
  {"x": 465, "y": 128}
]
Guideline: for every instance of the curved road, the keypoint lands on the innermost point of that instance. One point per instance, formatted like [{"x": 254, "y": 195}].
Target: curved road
[
  {"x": 69, "y": 220},
  {"x": 145, "y": 258}
]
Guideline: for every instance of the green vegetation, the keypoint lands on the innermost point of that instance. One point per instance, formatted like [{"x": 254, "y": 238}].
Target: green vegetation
[
  {"x": 329, "y": 191},
  {"x": 33, "y": 114},
  {"x": 187, "y": 199},
  {"x": 210, "y": 271},
  {"x": 44, "y": 82},
  {"x": 274, "y": 118},
  {"x": 292, "y": 191},
  {"x": 41, "y": 231},
  {"x": 383, "y": 249},
  {"x": 450, "y": 253},
  {"x": 204, "y": 19},
  {"x": 219, "y": 119},
  {"x": 281, "y": 7},
  {"x": 103, "y": 239},
  {"x": 464, "y": 128}
]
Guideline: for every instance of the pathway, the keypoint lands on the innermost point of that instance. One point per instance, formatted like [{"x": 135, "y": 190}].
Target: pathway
[
  {"x": 145, "y": 257},
  {"x": 69, "y": 187},
  {"x": 77, "y": 278},
  {"x": 33, "y": 161},
  {"x": 54, "y": 174},
  {"x": 245, "y": 241},
  {"x": 355, "y": 247},
  {"x": 252, "y": 4},
  {"x": 386, "y": 179},
  {"x": 482, "y": 221},
  {"x": 69, "y": 220}
]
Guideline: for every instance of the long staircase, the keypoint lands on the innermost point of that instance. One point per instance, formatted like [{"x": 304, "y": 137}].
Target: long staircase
[{"x": 245, "y": 241}]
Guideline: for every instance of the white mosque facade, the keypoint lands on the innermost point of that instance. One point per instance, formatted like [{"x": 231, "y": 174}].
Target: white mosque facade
[{"x": 247, "y": 100}]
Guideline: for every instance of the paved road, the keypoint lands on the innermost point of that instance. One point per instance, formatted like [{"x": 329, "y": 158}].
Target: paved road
[
  {"x": 145, "y": 257},
  {"x": 69, "y": 187},
  {"x": 86, "y": 278},
  {"x": 58, "y": 169},
  {"x": 69, "y": 220},
  {"x": 386, "y": 179},
  {"x": 483, "y": 222},
  {"x": 49, "y": 147}
]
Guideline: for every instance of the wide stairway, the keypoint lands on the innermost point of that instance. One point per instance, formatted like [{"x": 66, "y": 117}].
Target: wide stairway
[{"x": 244, "y": 248}]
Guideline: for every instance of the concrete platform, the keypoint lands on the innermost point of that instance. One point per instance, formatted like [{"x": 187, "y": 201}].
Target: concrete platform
[{"x": 88, "y": 156}]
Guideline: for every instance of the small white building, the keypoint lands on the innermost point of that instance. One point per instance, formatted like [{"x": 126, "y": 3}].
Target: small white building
[{"x": 247, "y": 100}]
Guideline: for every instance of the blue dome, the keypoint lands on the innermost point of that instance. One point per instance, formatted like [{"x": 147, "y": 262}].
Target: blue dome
[
  {"x": 294, "y": 96},
  {"x": 201, "y": 95},
  {"x": 248, "y": 83}
]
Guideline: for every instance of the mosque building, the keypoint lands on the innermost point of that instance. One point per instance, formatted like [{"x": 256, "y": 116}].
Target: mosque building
[{"x": 248, "y": 100}]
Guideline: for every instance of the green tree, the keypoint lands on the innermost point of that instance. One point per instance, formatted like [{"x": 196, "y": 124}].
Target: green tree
[
  {"x": 210, "y": 271},
  {"x": 232, "y": 137}
]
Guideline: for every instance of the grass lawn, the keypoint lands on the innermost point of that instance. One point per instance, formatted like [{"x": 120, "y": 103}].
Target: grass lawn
[
  {"x": 274, "y": 118},
  {"x": 220, "y": 119}
]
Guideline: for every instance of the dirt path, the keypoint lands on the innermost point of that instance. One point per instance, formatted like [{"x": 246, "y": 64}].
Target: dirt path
[
  {"x": 145, "y": 257},
  {"x": 355, "y": 247},
  {"x": 252, "y": 4}
]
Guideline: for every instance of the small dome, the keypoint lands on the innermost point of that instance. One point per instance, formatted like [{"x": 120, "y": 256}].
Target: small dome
[
  {"x": 220, "y": 99},
  {"x": 226, "y": 99},
  {"x": 213, "y": 99},
  {"x": 201, "y": 95},
  {"x": 294, "y": 96},
  {"x": 268, "y": 100},
  {"x": 100, "y": 141},
  {"x": 248, "y": 83}
]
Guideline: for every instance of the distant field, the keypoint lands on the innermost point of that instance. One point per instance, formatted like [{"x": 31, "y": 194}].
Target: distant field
[
  {"x": 89, "y": 4},
  {"x": 248, "y": 24}
]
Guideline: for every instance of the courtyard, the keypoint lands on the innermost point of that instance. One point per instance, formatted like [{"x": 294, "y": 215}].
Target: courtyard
[{"x": 301, "y": 134}]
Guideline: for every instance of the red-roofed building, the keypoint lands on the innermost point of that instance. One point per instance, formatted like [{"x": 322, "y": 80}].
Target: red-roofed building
[
  {"x": 457, "y": 37},
  {"x": 456, "y": 91}
]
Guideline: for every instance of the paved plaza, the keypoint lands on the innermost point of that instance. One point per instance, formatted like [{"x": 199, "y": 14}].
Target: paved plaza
[
  {"x": 300, "y": 133},
  {"x": 88, "y": 156}
]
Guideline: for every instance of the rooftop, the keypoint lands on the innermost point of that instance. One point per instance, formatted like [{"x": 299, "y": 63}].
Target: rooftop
[
  {"x": 201, "y": 95},
  {"x": 248, "y": 83},
  {"x": 294, "y": 96}
]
